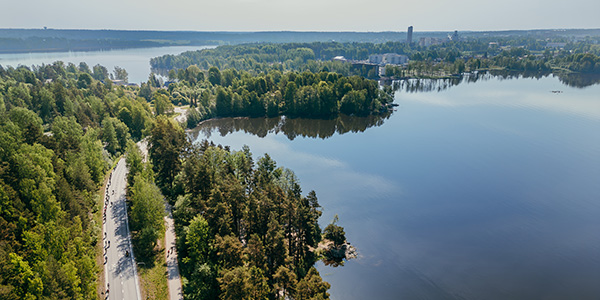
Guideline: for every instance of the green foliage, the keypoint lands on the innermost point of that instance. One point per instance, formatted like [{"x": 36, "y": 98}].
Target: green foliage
[
  {"x": 214, "y": 76},
  {"x": 49, "y": 181},
  {"x": 306, "y": 94},
  {"x": 29, "y": 123},
  {"x": 91, "y": 154},
  {"x": 121, "y": 74},
  {"x": 135, "y": 163},
  {"x": 147, "y": 212},
  {"x": 193, "y": 117},
  {"x": 198, "y": 240},
  {"x": 235, "y": 284},
  {"x": 84, "y": 81},
  {"x": 165, "y": 147},
  {"x": 162, "y": 105},
  {"x": 312, "y": 286},
  {"x": 67, "y": 134},
  {"x": 115, "y": 134},
  {"x": 285, "y": 282},
  {"x": 229, "y": 200},
  {"x": 335, "y": 233},
  {"x": 26, "y": 284}
]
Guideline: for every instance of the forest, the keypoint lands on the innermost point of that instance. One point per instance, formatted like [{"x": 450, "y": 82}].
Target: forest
[
  {"x": 245, "y": 229},
  {"x": 232, "y": 93},
  {"x": 520, "y": 54},
  {"x": 61, "y": 130}
]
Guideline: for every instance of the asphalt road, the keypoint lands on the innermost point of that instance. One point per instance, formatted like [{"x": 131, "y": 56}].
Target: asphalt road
[{"x": 120, "y": 271}]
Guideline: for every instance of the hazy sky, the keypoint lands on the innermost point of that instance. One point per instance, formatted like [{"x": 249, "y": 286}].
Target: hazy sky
[{"x": 303, "y": 15}]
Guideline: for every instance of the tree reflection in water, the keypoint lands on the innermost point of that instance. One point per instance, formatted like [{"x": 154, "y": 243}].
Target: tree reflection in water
[
  {"x": 415, "y": 85},
  {"x": 290, "y": 127},
  {"x": 316, "y": 128}
]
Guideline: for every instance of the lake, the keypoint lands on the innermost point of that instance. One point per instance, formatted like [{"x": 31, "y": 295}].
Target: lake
[
  {"x": 477, "y": 190},
  {"x": 136, "y": 61}
]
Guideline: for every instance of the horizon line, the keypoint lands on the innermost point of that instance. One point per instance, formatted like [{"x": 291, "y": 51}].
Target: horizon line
[{"x": 297, "y": 31}]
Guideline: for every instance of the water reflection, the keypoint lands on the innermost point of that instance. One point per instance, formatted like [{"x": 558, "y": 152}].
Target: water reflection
[
  {"x": 291, "y": 128},
  {"x": 415, "y": 85},
  {"x": 579, "y": 80}
]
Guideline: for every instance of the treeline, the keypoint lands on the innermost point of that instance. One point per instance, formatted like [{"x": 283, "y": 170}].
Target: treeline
[
  {"x": 258, "y": 58},
  {"x": 232, "y": 93},
  {"x": 244, "y": 229},
  {"x": 523, "y": 54},
  {"x": 60, "y": 131},
  {"x": 50, "y": 44}
]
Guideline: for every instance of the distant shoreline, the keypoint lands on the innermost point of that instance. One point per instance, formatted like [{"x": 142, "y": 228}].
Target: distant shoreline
[{"x": 78, "y": 49}]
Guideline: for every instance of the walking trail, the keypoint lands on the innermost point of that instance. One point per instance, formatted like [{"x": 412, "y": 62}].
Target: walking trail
[{"x": 174, "y": 279}]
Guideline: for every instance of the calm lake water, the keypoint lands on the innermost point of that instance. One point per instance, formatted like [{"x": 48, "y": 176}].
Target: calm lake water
[
  {"x": 486, "y": 190},
  {"x": 135, "y": 61}
]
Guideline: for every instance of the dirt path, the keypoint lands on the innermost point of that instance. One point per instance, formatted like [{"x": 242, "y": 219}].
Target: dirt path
[
  {"x": 181, "y": 110},
  {"x": 173, "y": 277},
  {"x": 175, "y": 289}
]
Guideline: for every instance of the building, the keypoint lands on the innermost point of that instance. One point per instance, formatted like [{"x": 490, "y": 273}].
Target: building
[
  {"x": 376, "y": 58},
  {"x": 365, "y": 68},
  {"x": 428, "y": 41},
  {"x": 339, "y": 58},
  {"x": 388, "y": 59},
  {"x": 395, "y": 59},
  {"x": 409, "y": 35},
  {"x": 119, "y": 82}
]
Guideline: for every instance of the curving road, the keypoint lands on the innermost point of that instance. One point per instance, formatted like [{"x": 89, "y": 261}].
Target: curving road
[{"x": 119, "y": 269}]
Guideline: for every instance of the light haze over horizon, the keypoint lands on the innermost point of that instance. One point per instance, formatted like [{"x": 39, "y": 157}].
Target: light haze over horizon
[{"x": 306, "y": 15}]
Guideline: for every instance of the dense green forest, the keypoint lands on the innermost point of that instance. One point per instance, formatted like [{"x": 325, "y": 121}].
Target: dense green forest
[
  {"x": 523, "y": 54},
  {"x": 58, "y": 138},
  {"x": 245, "y": 230},
  {"x": 232, "y": 93}
]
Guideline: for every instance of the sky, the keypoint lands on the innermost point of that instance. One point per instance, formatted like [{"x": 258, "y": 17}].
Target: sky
[{"x": 304, "y": 15}]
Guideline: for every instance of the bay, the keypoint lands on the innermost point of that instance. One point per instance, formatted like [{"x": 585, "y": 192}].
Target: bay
[
  {"x": 480, "y": 190},
  {"x": 135, "y": 61}
]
